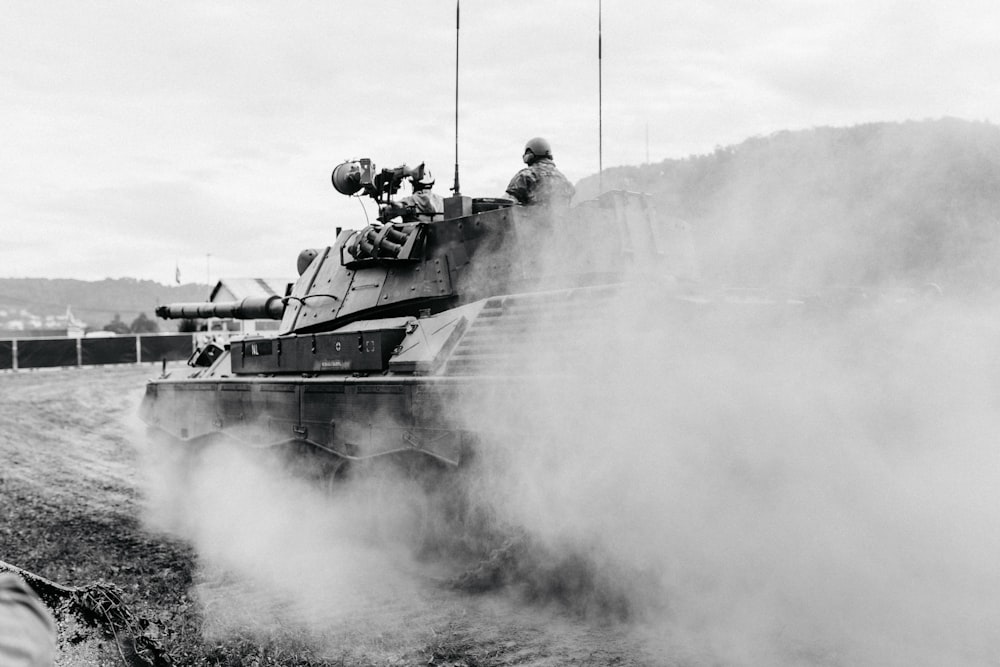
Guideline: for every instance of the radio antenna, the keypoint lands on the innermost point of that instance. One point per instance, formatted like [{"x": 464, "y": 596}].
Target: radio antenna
[
  {"x": 456, "y": 188},
  {"x": 600, "y": 109}
]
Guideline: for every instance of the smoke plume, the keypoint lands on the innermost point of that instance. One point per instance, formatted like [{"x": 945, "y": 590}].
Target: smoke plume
[
  {"x": 741, "y": 477},
  {"x": 775, "y": 488}
]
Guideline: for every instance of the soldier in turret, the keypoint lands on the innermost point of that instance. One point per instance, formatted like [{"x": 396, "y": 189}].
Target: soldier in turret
[
  {"x": 540, "y": 182},
  {"x": 421, "y": 206}
]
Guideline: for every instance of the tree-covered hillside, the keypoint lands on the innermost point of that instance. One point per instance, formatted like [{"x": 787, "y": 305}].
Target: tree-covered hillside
[
  {"x": 883, "y": 203},
  {"x": 876, "y": 204},
  {"x": 94, "y": 302}
]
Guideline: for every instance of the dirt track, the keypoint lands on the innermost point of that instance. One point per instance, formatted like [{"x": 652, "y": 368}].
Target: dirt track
[{"x": 74, "y": 513}]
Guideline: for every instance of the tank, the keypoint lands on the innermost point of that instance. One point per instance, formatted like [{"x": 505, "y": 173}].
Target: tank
[{"x": 386, "y": 328}]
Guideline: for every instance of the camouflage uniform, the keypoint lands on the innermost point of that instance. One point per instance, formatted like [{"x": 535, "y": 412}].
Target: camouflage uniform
[
  {"x": 425, "y": 204},
  {"x": 541, "y": 183},
  {"x": 27, "y": 631}
]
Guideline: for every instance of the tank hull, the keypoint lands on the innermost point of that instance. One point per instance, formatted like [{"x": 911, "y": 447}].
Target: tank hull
[{"x": 352, "y": 418}]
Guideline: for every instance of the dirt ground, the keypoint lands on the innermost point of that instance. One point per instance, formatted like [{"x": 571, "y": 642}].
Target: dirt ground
[{"x": 74, "y": 512}]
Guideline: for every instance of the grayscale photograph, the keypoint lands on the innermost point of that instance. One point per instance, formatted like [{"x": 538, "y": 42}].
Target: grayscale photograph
[{"x": 489, "y": 334}]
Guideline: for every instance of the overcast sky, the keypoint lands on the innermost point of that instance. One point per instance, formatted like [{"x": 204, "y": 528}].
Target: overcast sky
[{"x": 137, "y": 136}]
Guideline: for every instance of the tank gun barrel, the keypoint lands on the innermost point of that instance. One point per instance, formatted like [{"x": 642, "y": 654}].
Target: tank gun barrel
[{"x": 250, "y": 308}]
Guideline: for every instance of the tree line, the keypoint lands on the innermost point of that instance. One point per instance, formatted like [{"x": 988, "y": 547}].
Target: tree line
[{"x": 140, "y": 325}]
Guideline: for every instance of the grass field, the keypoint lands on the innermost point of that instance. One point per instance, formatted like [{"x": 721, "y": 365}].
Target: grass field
[{"x": 77, "y": 495}]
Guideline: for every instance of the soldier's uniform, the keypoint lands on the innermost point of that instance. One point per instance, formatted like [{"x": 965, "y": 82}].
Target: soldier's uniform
[
  {"x": 541, "y": 183},
  {"x": 422, "y": 206},
  {"x": 27, "y": 631}
]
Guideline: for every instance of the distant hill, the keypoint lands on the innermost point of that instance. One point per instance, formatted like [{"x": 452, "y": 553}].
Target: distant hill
[
  {"x": 898, "y": 203},
  {"x": 94, "y": 302},
  {"x": 876, "y": 204}
]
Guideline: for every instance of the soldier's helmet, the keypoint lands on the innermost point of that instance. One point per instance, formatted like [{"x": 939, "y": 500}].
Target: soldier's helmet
[
  {"x": 423, "y": 179},
  {"x": 537, "y": 147}
]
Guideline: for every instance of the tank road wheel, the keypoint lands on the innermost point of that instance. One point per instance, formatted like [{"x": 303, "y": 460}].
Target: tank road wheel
[{"x": 317, "y": 466}]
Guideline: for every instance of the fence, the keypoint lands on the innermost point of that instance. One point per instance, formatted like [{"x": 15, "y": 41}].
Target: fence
[{"x": 19, "y": 353}]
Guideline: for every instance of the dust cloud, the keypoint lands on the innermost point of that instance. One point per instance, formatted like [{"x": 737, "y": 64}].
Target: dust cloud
[
  {"x": 279, "y": 556},
  {"x": 739, "y": 481},
  {"x": 751, "y": 478},
  {"x": 770, "y": 492}
]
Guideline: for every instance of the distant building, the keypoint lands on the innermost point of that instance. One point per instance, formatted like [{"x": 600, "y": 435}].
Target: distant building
[
  {"x": 50, "y": 326},
  {"x": 74, "y": 328}
]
